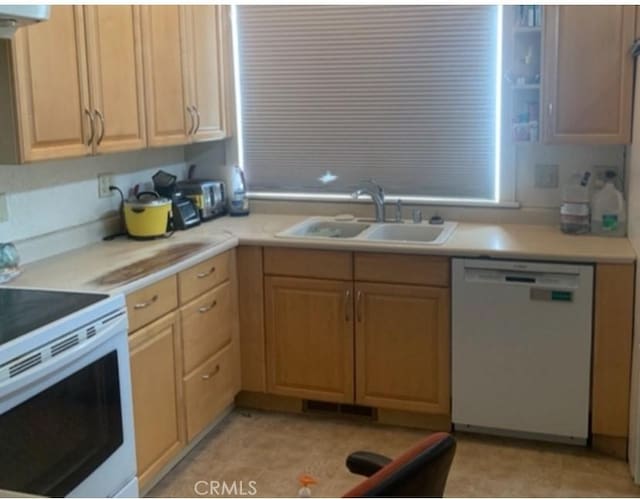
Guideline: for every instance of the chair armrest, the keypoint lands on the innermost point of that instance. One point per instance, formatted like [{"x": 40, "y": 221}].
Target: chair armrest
[{"x": 366, "y": 463}]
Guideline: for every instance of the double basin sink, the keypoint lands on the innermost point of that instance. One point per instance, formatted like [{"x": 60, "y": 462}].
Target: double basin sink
[{"x": 404, "y": 232}]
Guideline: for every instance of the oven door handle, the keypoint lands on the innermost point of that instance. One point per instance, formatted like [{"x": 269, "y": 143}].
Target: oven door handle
[{"x": 51, "y": 365}]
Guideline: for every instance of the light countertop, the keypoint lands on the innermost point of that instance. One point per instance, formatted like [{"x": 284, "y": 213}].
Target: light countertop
[{"x": 81, "y": 269}]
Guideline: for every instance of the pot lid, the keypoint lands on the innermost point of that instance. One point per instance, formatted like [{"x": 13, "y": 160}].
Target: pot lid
[{"x": 147, "y": 199}]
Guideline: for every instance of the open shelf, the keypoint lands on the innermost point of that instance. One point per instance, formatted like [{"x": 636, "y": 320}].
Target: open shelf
[{"x": 523, "y": 68}]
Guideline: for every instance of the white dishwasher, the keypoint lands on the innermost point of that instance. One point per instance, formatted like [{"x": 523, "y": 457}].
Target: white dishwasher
[{"x": 521, "y": 348}]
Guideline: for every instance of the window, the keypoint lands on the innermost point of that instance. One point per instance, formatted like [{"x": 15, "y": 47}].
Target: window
[{"x": 406, "y": 95}]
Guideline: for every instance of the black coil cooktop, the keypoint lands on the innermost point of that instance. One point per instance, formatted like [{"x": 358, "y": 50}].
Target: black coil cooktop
[{"x": 25, "y": 310}]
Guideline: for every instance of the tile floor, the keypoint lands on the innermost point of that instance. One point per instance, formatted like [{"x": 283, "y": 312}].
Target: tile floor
[{"x": 273, "y": 449}]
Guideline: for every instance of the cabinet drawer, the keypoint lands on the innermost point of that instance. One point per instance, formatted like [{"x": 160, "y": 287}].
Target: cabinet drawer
[
  {"x": 207, "y": 325},
  {"x": 403, "y": 269},
  {"x": 308, "y": 263},
  {"x": 150, "y": 303},
  {"x": 202, "y": 277},
  {"x": 208, "y": 390}
]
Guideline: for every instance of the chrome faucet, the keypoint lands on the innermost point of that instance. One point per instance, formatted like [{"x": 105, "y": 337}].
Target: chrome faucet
[{"x": 370, "y": 188}]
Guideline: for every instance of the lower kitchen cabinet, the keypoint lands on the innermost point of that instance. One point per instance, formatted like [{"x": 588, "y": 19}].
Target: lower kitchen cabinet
[
  {"x": 309, "y": 335},
  {"x": 207, "y": 325},
  {"x": 156, "y": 389},
  {"x": 403, "y": 347},
  {"x": 209, "y": 390}
]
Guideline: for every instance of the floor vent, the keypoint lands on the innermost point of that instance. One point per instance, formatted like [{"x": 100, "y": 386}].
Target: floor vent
[{"x": 332, "y": 408}]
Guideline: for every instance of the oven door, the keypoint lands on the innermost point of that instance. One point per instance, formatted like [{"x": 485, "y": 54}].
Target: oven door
[{"x": 66, "y": 426}]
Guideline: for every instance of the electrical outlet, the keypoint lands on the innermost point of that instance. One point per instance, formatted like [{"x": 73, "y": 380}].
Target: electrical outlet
[
  {"x": 104, "y": 181},
  {"x": 546, "y": 176},
  {"x": 4, "y": 210}
]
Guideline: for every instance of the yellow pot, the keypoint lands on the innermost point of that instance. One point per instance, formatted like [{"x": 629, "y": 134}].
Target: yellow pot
[{"x": 147, "y": 217}]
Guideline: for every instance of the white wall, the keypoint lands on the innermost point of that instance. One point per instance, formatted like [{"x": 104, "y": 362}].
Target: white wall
[
  {"x": 570, "y": 159},
  {"x": 54, "y": 196}
]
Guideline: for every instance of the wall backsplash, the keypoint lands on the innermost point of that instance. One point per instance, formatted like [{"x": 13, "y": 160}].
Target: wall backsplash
[
  {"x": 569, "y": 159},
  {"x": 54, "y": 196},
  {"x": 54, "y": 206}
]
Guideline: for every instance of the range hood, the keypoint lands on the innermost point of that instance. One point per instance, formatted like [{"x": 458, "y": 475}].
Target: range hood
[{"x": 14, "y": 16}]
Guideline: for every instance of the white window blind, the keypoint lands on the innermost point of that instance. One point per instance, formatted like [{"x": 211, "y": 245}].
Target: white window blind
[{"x": 405, "y": 95}]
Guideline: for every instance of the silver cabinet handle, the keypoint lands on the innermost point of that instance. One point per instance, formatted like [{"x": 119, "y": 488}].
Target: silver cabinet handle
[
  {"x": 359, "y": 305},
  {"x": 550, "y": 107},
  {"x": 347, "y": 302},
  {"x": 193, "y": 121},
  {"x": 145, "y": 304},
  {"x": 198, "y": 118},
  {"x": 202, "y": 275},
  {"x": 211, "y": 374},
  {"x": 92, "y": 126},
  {"x": 205, "y": 309},
  {"x": 101, "y": 117}
]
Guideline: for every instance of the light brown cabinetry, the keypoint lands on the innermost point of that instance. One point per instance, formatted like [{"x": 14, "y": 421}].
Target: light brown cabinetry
[
  {"x": 114, "y": 54},
  {"x": 168, "y": 120},
  {"x": 185, "y": 361},
  {"x": 74, "y": 85},
  {"x": 588, "y": 73},
  {"x": 252, "y": 335},
  {"x": 45, "y": 90},
  {"x": 182, "y": 60},
  {"x": 152, "y": 302},
  {"x": 402, "y": 347},
  {"x": 207, "y": 325},
  {"x": 612, "y": 351},
  {"x": 309, "y": 330},
  {"x": 204, "y": 42},
  {"x": 157, "y": 394},
  {"x": 208, "y": 390},
  {"x": 390, "y": 328}
]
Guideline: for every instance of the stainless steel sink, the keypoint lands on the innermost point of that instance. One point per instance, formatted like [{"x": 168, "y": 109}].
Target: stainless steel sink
[
  {"x": 365, "y": 230},
  {"x": 413, "y": 233},
  {"x": 325, "y": 228}
]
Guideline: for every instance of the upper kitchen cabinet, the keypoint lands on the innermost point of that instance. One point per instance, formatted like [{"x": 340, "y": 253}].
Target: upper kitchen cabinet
[
  {"x": 169, "y": 121},
  {"x": 73, "y": 85},
  {"x": 44, "y": 88},
  {"x": 114, "y": 53},
  {"x": 588, "y": 74},
  {"x": 205, "y": 49},
  {"x": 183, "y": 73}
]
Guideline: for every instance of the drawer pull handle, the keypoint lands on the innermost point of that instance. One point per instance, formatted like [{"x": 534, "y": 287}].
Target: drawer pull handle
[
  {"x": 211, "y": 374},
  {"x": 359, "y": 305},
  {"x": 145, "y": 304},
  {"x": 202, "y": 310},
  {"x": 202, "y": 275}
]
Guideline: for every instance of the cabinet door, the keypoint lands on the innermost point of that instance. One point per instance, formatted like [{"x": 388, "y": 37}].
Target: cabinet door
[
  {"x": 309, "y": 329},
  {"x": 588, "y": 73},
  {"x": 50, "y": 69},
  {"x": 204, "y": 53},
  {"x": 157, "y": 395},
  {"x": 165, "y": 75},
  {"x": 403, "y": 347},
  {"x": 115, "y": 76}
]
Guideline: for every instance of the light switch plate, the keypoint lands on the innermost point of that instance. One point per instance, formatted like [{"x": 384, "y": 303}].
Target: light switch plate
[{"x": 546, "y": 176}]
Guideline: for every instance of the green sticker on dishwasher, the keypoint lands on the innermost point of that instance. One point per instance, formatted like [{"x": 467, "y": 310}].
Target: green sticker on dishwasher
[{"x": 561, "y": 295}]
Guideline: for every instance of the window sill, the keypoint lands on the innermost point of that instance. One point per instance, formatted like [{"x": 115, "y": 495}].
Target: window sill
[{"x": 413, "y": 200}]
